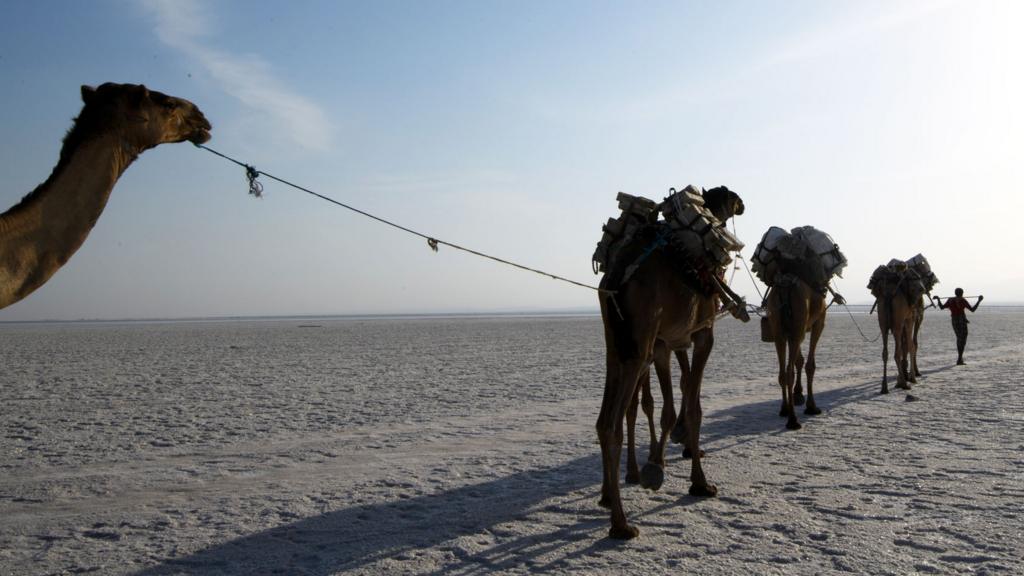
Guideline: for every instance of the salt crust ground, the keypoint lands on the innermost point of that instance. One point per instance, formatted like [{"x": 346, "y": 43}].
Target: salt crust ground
[{"x": 467, "y": 446}]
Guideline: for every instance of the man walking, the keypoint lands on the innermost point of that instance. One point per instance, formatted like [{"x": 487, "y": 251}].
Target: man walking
[{"x": 956, "y": 306}]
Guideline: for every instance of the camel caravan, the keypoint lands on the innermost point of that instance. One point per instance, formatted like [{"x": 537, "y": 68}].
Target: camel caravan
[
  {"x": 663, "y": 284},
  {"x": 663, "y": 289}
]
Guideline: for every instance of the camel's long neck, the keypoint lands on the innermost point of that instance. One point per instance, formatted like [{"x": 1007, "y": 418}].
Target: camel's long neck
[{"x": 42, "y": 232}]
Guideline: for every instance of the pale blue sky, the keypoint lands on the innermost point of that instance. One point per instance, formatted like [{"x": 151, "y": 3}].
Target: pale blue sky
[{"x": 509, "y": 127}]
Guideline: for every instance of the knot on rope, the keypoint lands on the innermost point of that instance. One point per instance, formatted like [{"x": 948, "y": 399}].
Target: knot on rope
[{"x": 255, "y": 186}]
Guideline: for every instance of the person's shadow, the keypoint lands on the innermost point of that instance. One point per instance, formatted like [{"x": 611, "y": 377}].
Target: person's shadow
[{"x": 356, "y": 537}]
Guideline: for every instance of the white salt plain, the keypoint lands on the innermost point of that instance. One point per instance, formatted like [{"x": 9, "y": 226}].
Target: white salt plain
[{"x": 467, "y": 446}]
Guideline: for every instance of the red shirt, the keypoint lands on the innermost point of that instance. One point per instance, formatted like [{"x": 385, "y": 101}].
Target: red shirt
[{"x": 956, "y": 306}]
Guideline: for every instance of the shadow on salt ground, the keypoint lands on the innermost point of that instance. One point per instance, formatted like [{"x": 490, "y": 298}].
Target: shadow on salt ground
[
  {"x": 750, "y": 420},
  {"x": 743, "y": 423},
  {"x": 526, "y": 552},
  {"x": 356, "y": 537},
  {"x": 944, "y": 368}
]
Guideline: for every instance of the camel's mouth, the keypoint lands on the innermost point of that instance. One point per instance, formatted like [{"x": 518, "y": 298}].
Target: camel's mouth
[
  {"x": 201, "y": 129},
  {"x": 200, "y": 136}
]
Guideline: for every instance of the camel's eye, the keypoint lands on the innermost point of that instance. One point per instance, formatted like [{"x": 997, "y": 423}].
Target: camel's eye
[{"x": 163, "y": 101}]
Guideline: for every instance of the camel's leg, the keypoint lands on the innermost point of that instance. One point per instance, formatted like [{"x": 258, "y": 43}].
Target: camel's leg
[
  {"x": 911, "y": 344},
  {"x": 679, "y": 431},
  {"x": 647, "y": 402},
  {"x": 900, "y": 356},
  {"x": 620, "y": 388},
  {"x": 794, "y": 366},
  {"x": 611, "y": 385},
  {"x": 668, "y": 411},
  {"x": 703, "y": 342},
  {"x": 913, "y": 357},
  {"x": 798, "y": 388},
  {"x": 653, "y": 474},
  {"x": 885, "y": 361},
  {"x": 780, "y": 351},
  {"x": 632, "y": 469},
  {"x": 816, "y": 329}
]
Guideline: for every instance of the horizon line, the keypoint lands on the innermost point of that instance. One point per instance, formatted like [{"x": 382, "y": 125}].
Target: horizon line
[{"x": 581, "y": 311}]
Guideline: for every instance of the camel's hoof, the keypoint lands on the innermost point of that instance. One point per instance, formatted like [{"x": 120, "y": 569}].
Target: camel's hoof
[
  {"x": 884, "y": 391},
  {"x": 626, "y": 532},
  {"x": 652, "y": 476},
  {"x": 604, "y": 503},
  {"x": 678, "y": 435},
  {"x": 793, "y": 424},
  {"x": 917, "y": 373},
  {"x": 812, "y": 410},
  {"x": 904, "y": 386},
  {"x": 688, "y": 455},
  {"x": 632, "y": 477},
  {"x": 706, "y": 491},
  {"x": 798, "y": 400}
]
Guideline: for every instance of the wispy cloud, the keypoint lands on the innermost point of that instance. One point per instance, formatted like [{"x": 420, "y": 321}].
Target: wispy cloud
[
  {"x": 860, "y": 23},
  {"x": 185, "y": 26}
]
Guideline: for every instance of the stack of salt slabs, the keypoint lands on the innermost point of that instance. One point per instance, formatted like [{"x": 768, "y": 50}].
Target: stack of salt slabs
[
  {"x": 805, "y": 251},
  {"x": 769, "y": 253},
  {"x": 696, "y": 230},
  {"x": 636, "y": 212},
  {"x": 824, "y": 247},
  {"x": 914, "y": 276},
  {"x": 885, "y": 274},
  {"x": 920, "y": 265}
]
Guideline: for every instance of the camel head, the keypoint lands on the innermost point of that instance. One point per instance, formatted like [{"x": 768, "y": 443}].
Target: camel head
[
  {"x": 723, "y": 203},
  {"x": 144, "y": 118}
]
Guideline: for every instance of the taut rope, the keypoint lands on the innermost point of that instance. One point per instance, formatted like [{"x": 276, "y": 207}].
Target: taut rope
[{"x": 256, "y": 189}]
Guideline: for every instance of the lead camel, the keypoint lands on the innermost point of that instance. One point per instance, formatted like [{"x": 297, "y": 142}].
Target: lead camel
[{"x": 117, "y": 123}]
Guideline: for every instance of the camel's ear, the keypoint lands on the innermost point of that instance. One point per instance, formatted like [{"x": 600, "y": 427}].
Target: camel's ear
[
  {"x": 139, "y": 94},
  {"x": 87, "y": 93}
]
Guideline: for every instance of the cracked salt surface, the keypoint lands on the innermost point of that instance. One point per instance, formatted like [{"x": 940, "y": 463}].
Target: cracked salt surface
[{"x": 467, "y": 445}]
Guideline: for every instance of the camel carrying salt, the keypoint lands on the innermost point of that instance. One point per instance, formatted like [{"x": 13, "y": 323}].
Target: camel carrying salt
[
  {"x": 899, "y": 288},
  {"x": 797, "y": 266},
  {"x": 663, "y": 265}
]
